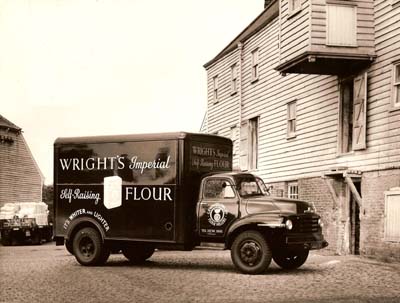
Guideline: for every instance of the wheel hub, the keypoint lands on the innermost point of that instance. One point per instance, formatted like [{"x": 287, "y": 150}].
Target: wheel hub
[
  {"x": 250, "y": 253},
  {"x": 86, "y": 247}
]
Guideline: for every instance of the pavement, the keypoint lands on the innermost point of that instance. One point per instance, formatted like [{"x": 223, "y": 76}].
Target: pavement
[{"x": 48, "y": 273}]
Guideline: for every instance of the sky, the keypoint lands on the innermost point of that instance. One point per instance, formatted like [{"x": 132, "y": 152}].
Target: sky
[{"x": 105, "y": 67}]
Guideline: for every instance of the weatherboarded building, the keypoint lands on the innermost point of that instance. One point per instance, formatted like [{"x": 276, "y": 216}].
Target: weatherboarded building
[
  {"x": 20, "y": 178},
  {"x": 309, "y": 93}
]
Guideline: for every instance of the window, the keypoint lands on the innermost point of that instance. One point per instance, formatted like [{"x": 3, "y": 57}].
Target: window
[
  {"x": 215, "y": 89},
  {"x": 234, "y": 79},
  {"x": 291, "y": 119},
  {"x": 341, "y": 25},
  {"x": 233, "y": 137},
  {"x": 249, "y": 144},
  {"x": 293, "y": 190},
  {"x": 218, "y": 189},
  {"x": 253, "y": 143},
  {"x": 396, "y": 86},
  {"x": 294, "y": 6},
  {"x": 254, "y": 65},
  {"x": 352, "y": 114},
  {"x": 392, "y": 215}
]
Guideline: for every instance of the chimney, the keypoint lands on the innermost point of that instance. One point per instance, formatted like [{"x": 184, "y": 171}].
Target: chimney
[{"x": 266, "y": 3}]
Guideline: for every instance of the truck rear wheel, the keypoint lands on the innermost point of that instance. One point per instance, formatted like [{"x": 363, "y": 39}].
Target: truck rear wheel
[
  {"x": 290, "y": 259},
  {"x": 88, "y": 247},
  {"x": 137, "y": 253},
  {"x": 251, "y": 253},
  {"x": 68, "y": 246}
]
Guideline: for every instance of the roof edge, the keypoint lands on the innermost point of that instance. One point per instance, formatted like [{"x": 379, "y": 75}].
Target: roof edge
[
  {"x": 270, "y": 12},
  {"x": 8, "y": 124}
]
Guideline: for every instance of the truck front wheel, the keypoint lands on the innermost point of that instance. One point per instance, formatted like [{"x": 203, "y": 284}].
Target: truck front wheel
[
  {"x": 137, "y": 253},
  {"x": 251, "y": 253},
  {"x": 88, "y": 247},
  {"x": 290, "y": 259}
]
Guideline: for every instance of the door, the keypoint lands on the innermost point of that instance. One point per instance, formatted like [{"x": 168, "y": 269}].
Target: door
[
  {"x": 355, "y": 223},
  {"x": 218, "y": 207}
]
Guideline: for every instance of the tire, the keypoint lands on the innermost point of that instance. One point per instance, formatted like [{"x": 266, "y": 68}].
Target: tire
[
  {"x": 36, "y": 238},
  {"x": 251, "y": 253},
  {"x": 88, "y": 247},
  {"x": 68, "y": 246},
  {"x": 104, "y": 256},
  {"x": 49, "y": 235},
  {"x": 290, "y": 259},
  {"x": 137, "y": 253}
]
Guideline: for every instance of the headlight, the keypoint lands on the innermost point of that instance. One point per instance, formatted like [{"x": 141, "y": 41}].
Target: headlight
[
  {"x": 320, "y": 223},
  {"x": 289, "y": 224}
]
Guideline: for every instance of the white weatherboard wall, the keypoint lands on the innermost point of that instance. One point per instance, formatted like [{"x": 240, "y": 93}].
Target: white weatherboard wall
[{"x": 315, "y": 147}]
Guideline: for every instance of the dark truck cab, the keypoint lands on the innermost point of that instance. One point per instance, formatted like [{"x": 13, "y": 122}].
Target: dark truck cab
[{"x": 137, "y": 193}]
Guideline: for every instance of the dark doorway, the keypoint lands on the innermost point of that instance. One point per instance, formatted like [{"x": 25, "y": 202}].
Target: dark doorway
[
  {"x": 346, "y": 116},
  {"x": 355, "y": 222}
]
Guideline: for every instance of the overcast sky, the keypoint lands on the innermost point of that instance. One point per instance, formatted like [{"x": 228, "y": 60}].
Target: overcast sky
[{"x": 77, "y": 68}]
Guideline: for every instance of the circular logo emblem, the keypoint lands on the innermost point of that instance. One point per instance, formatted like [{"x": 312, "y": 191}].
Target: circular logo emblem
[{"x": 217, "y": 214}]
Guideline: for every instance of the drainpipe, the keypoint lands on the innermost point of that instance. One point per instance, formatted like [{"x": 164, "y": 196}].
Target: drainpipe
[{"x": 240, "y": 92}]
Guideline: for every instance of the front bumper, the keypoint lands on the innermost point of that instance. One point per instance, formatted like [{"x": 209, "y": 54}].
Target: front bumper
[{"x": 308, "y": 241}]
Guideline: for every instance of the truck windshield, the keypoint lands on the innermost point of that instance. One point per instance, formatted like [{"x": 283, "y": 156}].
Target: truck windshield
[{"x": 249, "y": 186}]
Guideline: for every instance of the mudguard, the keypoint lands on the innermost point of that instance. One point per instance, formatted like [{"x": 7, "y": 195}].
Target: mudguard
[
  {"x": 74, "y": 223},
  {"x": 262, "y": 220}
]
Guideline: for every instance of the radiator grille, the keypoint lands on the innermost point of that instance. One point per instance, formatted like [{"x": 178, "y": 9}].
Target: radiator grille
[{"x": 305, "y": 224}]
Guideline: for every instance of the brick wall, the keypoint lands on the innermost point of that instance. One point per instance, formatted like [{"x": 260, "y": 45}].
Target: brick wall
[
  {"x": 315, "y": 190},
  {"x": 374, "y": 184},
  {"x": 335, "y": 213}
]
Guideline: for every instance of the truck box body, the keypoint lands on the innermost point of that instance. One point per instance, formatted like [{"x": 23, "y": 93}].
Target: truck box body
[{"x": 136, "y": 187}]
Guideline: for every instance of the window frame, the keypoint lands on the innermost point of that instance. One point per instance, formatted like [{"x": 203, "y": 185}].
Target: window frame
[
  {"x": 216, "y": 198},
  {"x": 328, "y": 27},
  {"x": 293, "y": 8},
  {"x": 215, "y": 89},
  {"x": 357, "y": 133},
  {"x": 386, "y": 237},
  {"x": 289, "y": 120},
  {"x": 253, "y": 145},
  {"x": 233, "y": 136},
  {"x": 255, "y": 65},
  {"x": 340, "y": 149},
  {"x": 234, "y": 79},
  {"x": 293, "y": 184},
  {"x": 394, "y": 84}
]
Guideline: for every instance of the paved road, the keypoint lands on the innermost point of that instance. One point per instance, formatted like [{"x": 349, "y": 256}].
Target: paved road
[{"x": 49, "y": 274}]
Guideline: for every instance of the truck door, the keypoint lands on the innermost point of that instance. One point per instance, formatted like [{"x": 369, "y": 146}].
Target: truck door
[{"x": 218, "y": 207}]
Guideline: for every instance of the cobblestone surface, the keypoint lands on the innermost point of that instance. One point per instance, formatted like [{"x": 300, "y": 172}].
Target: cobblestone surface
[{"x": 49, "y": 274}]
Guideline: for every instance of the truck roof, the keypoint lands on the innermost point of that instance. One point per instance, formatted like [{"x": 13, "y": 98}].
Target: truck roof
[
  {"x": 140, "y": 137},
  {"x": 229, "y": 174}
]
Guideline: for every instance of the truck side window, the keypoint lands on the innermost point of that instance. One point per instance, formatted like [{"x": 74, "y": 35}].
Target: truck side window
[{"x": 218, "y": 189}]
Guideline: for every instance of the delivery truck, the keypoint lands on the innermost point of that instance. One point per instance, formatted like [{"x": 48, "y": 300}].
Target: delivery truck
[
  {"x": 172, "y": 191},
  {"x": 22, "y": 222}
]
